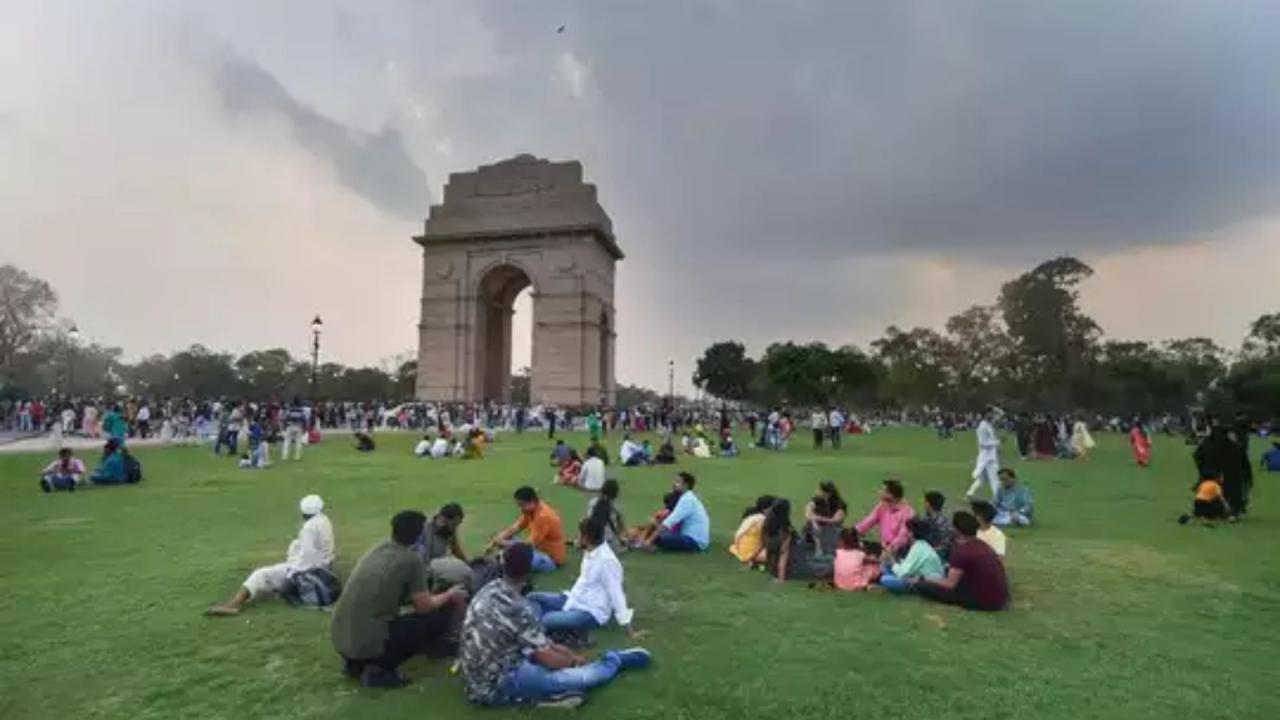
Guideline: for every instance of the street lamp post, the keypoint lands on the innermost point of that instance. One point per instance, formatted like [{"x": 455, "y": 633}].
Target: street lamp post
[
  {"x": 315, "y": 355},
  {"x": 671, "y": 384},
  {"x": 74, "y": 336}
]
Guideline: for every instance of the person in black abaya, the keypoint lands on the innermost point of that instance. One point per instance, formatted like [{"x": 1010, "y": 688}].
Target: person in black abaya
[{"x": 1221, "y": 454}]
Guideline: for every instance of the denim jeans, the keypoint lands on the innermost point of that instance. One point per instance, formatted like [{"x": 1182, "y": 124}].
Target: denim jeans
[
  {"x": 668, "y": 541},
  {"x": 893, "y": 583},
  {"x": 550, "y": 607},
  {"x": 530, "y": 683},
  {"x": 543, "y": 563}
]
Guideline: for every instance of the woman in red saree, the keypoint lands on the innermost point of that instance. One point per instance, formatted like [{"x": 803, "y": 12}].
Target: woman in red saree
[{"x": 1140, "y": 443}]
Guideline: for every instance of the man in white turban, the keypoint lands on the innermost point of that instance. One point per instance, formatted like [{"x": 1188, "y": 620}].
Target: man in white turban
[{"x": 312, "y": 549}]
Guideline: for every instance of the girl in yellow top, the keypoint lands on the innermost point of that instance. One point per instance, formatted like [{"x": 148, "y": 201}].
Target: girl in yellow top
[{"x": 748, "y": 541}]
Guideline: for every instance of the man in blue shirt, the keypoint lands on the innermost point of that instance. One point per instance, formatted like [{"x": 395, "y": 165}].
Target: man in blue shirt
[
  {"x": 687, "y": 528},
  {"x": 1271, "y": 458},
  {"x": 1013, "y": 502}
]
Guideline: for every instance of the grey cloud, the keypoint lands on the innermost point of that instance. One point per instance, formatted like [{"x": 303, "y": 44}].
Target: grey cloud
[
  {"x": 376, "y": 166},
  {"x": 1006, "y": 128}
]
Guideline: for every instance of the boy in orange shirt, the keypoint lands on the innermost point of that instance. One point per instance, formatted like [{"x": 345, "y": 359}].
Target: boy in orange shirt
[
  {"x": 1210, "y": 504},
  {"x": 546, "y": 532}
]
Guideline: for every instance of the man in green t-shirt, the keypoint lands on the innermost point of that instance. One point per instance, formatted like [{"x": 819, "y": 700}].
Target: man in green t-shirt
[{"x": 369, "y": 632}]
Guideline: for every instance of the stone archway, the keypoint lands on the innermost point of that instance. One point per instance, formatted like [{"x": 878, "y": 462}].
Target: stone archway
[
  {"x": 495, "y": 297},
  {"x": 521, "y": 222}
]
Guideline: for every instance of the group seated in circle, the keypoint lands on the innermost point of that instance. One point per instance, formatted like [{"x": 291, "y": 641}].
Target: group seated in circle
[
  {"x": 955, "y": 560},
  {"x": 471, "y": 444}
]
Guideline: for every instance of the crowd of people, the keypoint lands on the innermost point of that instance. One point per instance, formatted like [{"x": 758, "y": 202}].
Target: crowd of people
[
  {"x": 512, "y": 646},
  {"x": 516, "y": 646}
]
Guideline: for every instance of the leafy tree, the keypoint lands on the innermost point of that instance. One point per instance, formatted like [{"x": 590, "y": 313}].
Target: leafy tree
[
  {"x": 1053, "y": 338},
  {"x": 980, "y": 364},
  {"x": 201, "y": 372},
  {"x": 521, "y": 385},
  {"x": 27, "y": 306},
  {"x": 267, "y": 374},
  {"x": 725, "y": 371},
  {"x": 915, "y": 365},
  {"x": 1195, "y": 365},
  {"x": 634, "y": 396},
  {"x": 1264, "y": 336}
]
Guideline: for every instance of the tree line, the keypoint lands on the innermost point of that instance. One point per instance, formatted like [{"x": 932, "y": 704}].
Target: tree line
[
  {"x": 40, "y": 357},
  {"x": 1033, "y": 349}
]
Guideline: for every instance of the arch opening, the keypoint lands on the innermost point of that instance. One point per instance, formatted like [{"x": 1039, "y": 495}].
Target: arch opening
[{"x": 496, "y": 295}]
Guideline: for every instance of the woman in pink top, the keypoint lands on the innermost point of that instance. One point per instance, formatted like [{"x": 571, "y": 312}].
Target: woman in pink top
[
  {"x": 890, "y": 515},
  {"x": 853, "y": 569}
]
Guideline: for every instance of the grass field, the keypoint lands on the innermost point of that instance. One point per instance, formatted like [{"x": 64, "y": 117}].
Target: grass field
[{"x": 1118, "y": 611}]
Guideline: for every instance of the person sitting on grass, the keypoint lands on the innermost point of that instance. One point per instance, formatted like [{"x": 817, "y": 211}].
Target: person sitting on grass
[
  {"x": 975, "y": 579},
  {"x": 601, "y": 451},
  {"x": 441, "y": 551},
  {"x": 1013, "y": 501},
  {"x": 507, "y": 659},
  {"x": 646, "y": 451},
  {"x": 546, "y": 533},
  {"x": 854, "y": 569},
  {"x": 642, "y": 535},
  {"x": 569, "y": 472},
  {"x": 690, "y": 516},
  {"x": 631, "y": 453},
  {"x": 560, "y": 454},
  {"x": 666, "y": 454},
  {"x": 1210, "y": 504},
  {"x": 64, "y": 473},
  {"x": 364, "y": 443},
  {"x": 313, "y": 549},
  {"x": 118, "y": 466},
  {"x": 824, "y": 518},
  {"x": 473, "y": 448},
  {"x": 921, "y": 561},
  {"x": 890, "y": 516},
  {"x": 596, "y": 595},
  {"x": 603, "y": 508},
  {"x": 591, "y": 476},
  {"x": 941, "y": 534},
  {"x": 1271, "y": 458},
  {"x": 728, "y": 448},
  {"x": 787, "y": 556},
  {"x": 748, "y": 540},
  {"x": 368, "y": 630},
  {"x": 424, "y": 446},
  {"x": 987, "y": 531}
]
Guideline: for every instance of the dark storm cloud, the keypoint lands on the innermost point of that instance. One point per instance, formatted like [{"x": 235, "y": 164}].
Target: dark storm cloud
[
  {"x": 1008, "y": 128},
  {"x": 376, "y": 166}
]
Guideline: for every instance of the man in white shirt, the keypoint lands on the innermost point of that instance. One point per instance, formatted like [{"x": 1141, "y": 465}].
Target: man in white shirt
[
  {"x": 835, "y": 426},
  {"x": 591, "y": 477},
  {"x": 313, "y": 548},
  {"x": 987, "y": 466},
  {"x": 423, "y": 448},
  {"x": 596, "y": 595},
  {"x": 818, "y": 420},
  {"x": 631, "y": 453},
  {"x": 144, "y": 421}
]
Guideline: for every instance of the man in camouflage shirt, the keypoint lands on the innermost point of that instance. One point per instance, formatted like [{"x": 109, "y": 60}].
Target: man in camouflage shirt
[{"x": 506, "y": 657}]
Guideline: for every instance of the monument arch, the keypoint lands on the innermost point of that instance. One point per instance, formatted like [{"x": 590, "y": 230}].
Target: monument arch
[{"x": 520, "y": 223}]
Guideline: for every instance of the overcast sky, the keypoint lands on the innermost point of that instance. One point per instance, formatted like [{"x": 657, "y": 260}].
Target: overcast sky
[{"x": 221, "y": 171}]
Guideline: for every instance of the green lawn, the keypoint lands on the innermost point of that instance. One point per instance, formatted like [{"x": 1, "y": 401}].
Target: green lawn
[{"x": 1119, "y": 612}]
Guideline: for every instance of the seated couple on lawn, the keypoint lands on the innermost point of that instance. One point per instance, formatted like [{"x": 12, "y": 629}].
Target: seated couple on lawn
[
  {"x": 67, "y": 472},
  {"x": 681, "y": 526}
]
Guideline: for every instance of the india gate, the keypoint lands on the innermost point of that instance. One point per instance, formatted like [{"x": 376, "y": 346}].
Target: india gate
[{"x": 501, "y": 228}]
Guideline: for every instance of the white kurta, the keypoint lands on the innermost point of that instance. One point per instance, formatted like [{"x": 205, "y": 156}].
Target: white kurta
[{"x": 313, "y": 548}]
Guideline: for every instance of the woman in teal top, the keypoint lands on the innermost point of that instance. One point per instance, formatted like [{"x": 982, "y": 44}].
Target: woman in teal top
[{"x": 921, "y": 561}]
